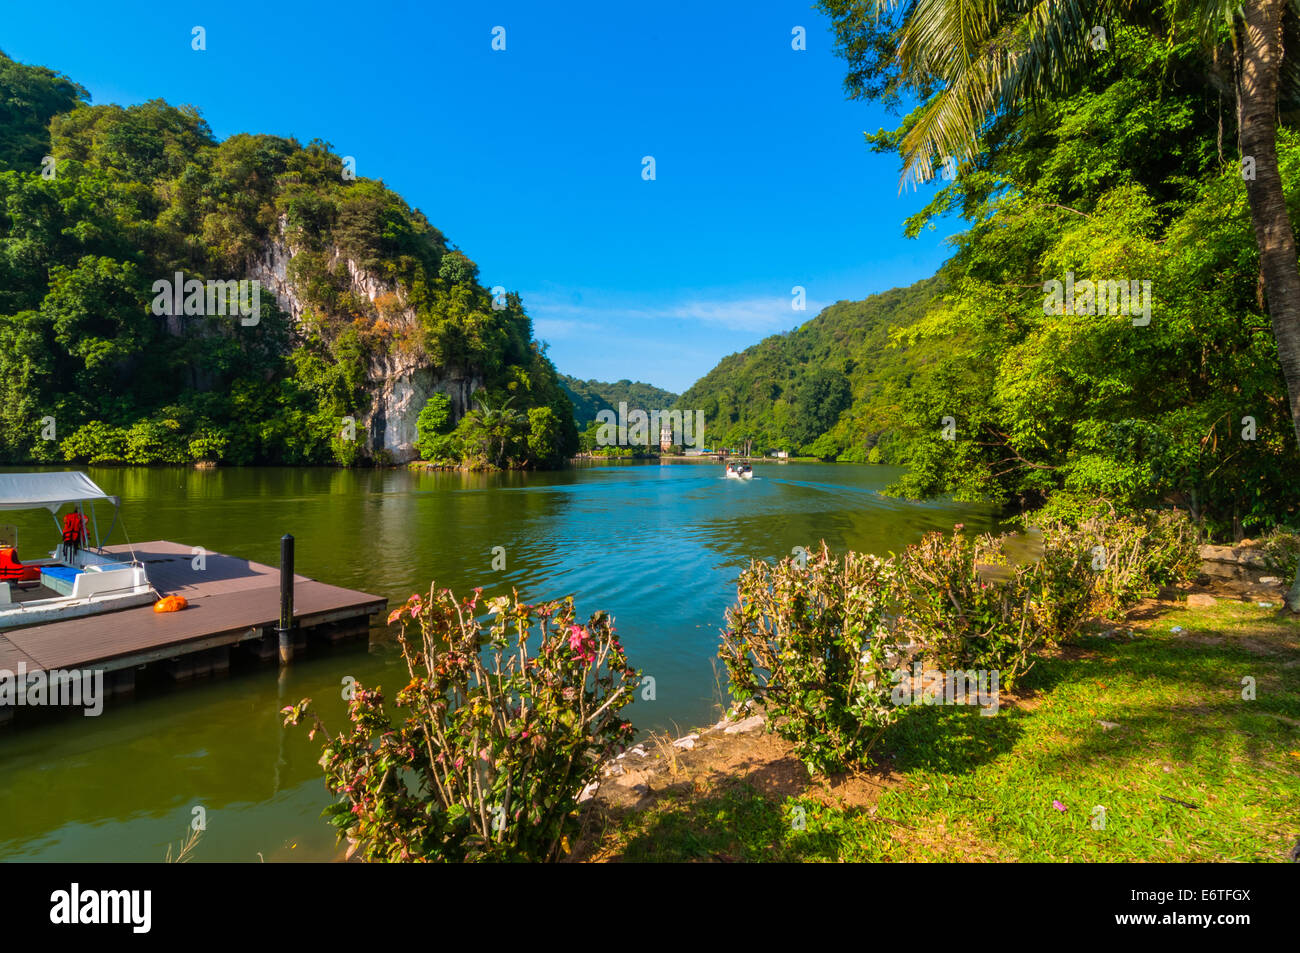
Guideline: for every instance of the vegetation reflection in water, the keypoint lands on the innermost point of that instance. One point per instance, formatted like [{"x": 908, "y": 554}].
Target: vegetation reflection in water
[{"x": 659, "y": 547}]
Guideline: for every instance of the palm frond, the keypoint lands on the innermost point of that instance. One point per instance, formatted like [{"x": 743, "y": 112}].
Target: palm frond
[{"x": 989, "y": 57}]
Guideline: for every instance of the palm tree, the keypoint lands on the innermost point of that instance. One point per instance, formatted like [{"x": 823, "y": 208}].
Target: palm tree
[
  {"x": 986, "y": 58},
  {"x": 499, "y": 423}
]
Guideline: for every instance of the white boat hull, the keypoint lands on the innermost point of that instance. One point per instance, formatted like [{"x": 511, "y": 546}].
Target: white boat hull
[
  {"x": 100, "y": 586},
  {"x": 19, "y": 615}
]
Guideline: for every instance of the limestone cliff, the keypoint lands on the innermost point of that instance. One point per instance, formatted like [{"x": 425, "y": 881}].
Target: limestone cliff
[{"x": 399, "y": 382}]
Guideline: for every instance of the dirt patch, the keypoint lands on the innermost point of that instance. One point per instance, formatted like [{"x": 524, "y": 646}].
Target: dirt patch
[
  {"x": 757, "y": 758},
  {"x": 710, "y": 763}
]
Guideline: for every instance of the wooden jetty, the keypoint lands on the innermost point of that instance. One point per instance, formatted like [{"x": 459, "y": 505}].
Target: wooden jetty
[{"x": 231, "y": 601}]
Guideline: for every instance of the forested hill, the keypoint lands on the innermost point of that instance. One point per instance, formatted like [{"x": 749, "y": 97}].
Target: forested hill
[
  {"x": 365, "y": 312},
  {"x": 591, "y": 397},
  {"x": 1101, "y": 342},
  {"x": 825, "y": 388}
]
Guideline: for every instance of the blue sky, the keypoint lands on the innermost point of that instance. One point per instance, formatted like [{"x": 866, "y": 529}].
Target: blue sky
[{"x": 530, "y": 159}]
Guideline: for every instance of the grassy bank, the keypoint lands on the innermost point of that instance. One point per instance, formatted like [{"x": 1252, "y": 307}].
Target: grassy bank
[{"x": 1185, "y": 769}]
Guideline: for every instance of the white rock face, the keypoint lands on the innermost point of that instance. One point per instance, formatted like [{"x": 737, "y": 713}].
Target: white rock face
[
  {"x": 399, "y": 392},
  {"x": 400, "y": 383}
]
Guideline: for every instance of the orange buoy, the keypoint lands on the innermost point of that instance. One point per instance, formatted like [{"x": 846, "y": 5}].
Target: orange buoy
[{"x": 170, "y": 604}]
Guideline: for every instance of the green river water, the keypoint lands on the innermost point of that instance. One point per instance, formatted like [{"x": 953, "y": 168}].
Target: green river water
[{"x": 659, "y": 547}]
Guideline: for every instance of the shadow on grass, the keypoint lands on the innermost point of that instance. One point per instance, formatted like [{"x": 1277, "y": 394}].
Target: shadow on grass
[
  {"x": 958, "y": 739},
  {"x": 1185, "y": 697},
  {"x": 737, "y": 822},
  {"x": 1167, "y": 698}
]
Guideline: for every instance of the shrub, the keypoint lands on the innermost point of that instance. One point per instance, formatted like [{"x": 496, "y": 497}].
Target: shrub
[
  {"x": 1281, "y": 550},
  {"x": 497, "y": 741},
  {"x": 1067, "y": 582},
  {"x": 208, "y": 444},
  {"x": 817, "y": 645},
  {"x": 813, "y": 643},
  {"x": 1134, "y": 556},
  {"x": 95, "y": 442},
  {"x": 156, "y": 441},
  {"x": 963, "y": 618},
  {"x": 969, "y": 606},
  {"x": 432, "y": 426}
]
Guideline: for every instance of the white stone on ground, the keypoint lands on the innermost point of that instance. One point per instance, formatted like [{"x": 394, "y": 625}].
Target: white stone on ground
[{"x": 749, "y": 724}]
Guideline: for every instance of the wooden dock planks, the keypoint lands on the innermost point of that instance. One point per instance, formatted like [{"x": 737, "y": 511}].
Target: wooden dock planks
[{"x": 229, "y": 600}]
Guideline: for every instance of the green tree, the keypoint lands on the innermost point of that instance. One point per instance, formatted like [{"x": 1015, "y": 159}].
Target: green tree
[
  {"x": 821, "y": 397},
  {"x": 974, "y": 62},
  {"x": 432, "y": 427},
  {"x": 543, "y": 435}
]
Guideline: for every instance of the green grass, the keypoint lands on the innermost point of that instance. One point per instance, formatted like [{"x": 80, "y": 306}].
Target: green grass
[{"x": 977, "y": 787}]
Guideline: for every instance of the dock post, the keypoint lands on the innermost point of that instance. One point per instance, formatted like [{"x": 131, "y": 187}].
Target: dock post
[{"x": 285, "y": 629}]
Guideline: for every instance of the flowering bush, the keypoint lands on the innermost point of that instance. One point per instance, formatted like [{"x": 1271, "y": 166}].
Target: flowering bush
[
  {"x": 1133, "y": 557},
  {"x": 496, "y": 742},
  {"x": 971, "y": 607},
  {"x": 966, "y": 617},
  {"x": 815, "y": 646},
  {"x": 818, "y": 644}
]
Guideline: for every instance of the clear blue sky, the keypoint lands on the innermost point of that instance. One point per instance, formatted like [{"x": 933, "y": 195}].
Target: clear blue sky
[{"x": 529, "y": 160}]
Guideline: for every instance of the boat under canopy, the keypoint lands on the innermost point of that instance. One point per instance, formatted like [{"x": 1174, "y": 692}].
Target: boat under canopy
[{"x": 76, "y": 580}]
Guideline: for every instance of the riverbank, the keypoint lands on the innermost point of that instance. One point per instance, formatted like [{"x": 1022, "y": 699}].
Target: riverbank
[{"x": 1132, "y": 743}]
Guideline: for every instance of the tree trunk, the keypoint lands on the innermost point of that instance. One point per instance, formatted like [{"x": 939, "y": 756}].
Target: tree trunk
[{"x": 1260, "y": 36}]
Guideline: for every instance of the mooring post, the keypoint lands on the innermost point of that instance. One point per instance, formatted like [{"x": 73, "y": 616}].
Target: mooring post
[{"x": 285, "y": 629}]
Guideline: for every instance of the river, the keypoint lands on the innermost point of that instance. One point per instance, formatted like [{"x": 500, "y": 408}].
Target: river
[{"x": 659, "y": 547}]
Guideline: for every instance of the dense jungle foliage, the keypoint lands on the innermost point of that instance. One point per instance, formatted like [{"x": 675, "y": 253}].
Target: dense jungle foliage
[
  {"x": 89, "y": 372},
  {"x": 975, "y": 384}
]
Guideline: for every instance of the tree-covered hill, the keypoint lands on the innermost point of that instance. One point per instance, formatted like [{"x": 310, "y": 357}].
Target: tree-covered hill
[
  {"x": 591, "y": 397},
  {"x": 366, "y": 311},
  {"x": 825, "y": 388},
  {"x": 1099, "y": 340}
]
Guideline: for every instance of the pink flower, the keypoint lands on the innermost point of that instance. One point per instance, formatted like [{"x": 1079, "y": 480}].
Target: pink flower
[
  {"x": 1058, "y": 805},
  {"x": 580, "y": 643}
]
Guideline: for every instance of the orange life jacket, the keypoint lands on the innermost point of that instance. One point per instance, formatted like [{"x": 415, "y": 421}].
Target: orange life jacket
[
  {"x": 170, "y": 604},
  {"x": 11, "y": 570},
  {"x": 74, "y": 529}
]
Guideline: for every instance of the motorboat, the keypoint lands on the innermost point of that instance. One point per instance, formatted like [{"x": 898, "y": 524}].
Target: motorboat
[
  {"x": 77, "y": 579},
  {"x": 740, "y": 471}
]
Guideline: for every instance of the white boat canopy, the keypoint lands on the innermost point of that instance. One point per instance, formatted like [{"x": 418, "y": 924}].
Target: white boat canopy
[{"x": 29, "y": 491}]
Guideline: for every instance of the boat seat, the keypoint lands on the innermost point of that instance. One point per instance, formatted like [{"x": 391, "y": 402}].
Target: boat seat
[
  {"x": 60, "y": 578},
  {"x": 5, "y": 598}
]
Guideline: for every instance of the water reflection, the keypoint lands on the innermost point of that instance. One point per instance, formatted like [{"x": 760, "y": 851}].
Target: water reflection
[{"x": 658, "y": 547}]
